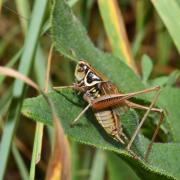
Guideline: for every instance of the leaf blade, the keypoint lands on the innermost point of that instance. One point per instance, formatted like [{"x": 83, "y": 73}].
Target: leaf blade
[{"x": 91, "y": 134}]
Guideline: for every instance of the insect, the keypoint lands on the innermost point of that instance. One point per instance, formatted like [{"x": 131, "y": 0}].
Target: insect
[{"x": 104, "y": 99}]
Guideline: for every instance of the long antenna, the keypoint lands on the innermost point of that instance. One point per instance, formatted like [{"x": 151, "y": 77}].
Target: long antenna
[
  {"x": 15, "y": 12},
  {"x": 20, "y": 16}
]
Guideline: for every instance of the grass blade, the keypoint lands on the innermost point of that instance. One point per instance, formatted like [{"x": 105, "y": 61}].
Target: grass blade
[
  {"x": 39, "y": 66},
  {"x": 143, "y": 14},
  {"x": 116, "y": 32},
  {"x": 59, "y": 166},
  {"x": 72, "y": 2},
  {"x": 24, "y": 68},
  {"x": 23, "y": 8},
  {"x": 1, "y": 2},
  {"x": 11, "y": 63},
  {"x": 30, "y": 43},
  {"x": 74, "y": 160},
  {"x": 98, "y": 166},
  {"x": 8, "y": 133},
  {"x": 170, "y": 15},
  {"x": 20, "y": 163},
  {"x": 164, "y": 43},
  {"x": 36, "y": 149},
  {"x": 39, "y": 126}
]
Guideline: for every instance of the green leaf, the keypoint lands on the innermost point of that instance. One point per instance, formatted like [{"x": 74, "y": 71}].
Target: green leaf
[
  {"x": 173, "y": 78},
  {"x": 147, "y": 67},
  {"x": 170, "y": 100},
  {"x": 71, "y": 40},
  {"x": 170, "y": 15},
  {"x": 165, "y": 80},
  {"x": 74, "y": 105},
  {"x": 159, "y": 81},
  {"x": 88, "y": 131}
]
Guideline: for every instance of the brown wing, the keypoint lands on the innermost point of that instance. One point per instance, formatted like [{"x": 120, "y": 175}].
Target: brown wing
[{"x": 108, "y": 88}]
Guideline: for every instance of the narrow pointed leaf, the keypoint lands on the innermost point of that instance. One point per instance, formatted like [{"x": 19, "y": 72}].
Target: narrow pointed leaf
[{"x": 170, "y": 15}]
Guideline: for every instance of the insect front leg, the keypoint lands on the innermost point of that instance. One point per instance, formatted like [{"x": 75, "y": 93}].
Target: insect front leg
[
  {"x": 79, "y": 88},
  {"x": 80, "y": 114},
  {"x": 88, "y": 99},
  {"x": 74, "y": 86}
]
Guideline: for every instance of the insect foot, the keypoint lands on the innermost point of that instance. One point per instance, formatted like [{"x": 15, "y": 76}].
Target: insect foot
[{"x": 133, "y": 154}]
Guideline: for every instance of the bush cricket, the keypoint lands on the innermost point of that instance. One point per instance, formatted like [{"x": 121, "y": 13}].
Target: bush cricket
[{"x": 103, "y": 97}]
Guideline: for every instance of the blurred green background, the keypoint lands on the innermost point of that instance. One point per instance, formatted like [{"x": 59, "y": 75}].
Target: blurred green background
[{"x": 147, "y": 34}]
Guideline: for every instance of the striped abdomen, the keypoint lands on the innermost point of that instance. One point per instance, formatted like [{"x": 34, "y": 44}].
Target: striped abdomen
[{"x": 110, "y": 122}]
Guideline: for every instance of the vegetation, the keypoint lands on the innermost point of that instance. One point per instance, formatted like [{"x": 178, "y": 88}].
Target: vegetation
[{"x": 46, "y": 41}]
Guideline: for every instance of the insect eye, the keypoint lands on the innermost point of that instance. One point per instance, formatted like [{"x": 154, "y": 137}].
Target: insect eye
[
  {"x": 82, "y": 68},
  {"x": 92, "y": 78}
]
